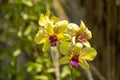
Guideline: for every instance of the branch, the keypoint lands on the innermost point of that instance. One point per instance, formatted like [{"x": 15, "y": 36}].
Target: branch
[
  {"x": 59, "y": 10},
  {"x": 89, "y": 75},
  {"x": 95, "y": 70}
]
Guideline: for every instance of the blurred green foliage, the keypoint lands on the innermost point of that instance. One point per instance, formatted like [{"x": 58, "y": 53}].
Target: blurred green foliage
[{"x": 20, "y": 57}]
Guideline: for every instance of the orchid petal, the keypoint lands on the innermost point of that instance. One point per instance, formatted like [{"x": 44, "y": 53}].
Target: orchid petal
[
  {"x": 88, "y": 53},
  {"x": 40, "y": 37},
  {"x": 84, "y": 64},
  {"x": 61, "y": 26},
  {"x": 65, "y": 47},
  {"x": 64, "y": 60}
]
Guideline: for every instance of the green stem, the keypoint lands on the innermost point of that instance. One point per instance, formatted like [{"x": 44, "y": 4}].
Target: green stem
[{"x": 71, "y": 70}]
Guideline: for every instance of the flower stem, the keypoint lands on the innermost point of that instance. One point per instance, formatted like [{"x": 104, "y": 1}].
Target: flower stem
[
  {"x": 71, "y": 70},
  {"x": 54, "y": 54}
]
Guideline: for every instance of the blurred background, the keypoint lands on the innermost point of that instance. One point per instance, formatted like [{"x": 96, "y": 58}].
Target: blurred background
[{"x": 22, "y": 59}]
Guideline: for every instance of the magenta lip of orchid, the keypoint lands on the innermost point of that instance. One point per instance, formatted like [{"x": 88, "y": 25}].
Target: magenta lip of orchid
[
  {"x": 81, "y": 38},
  {"x": 74, "y": 64},
  {"x": 53, "y": 43},
  {"x": 53, "y": 40},
  {"x": 75, "y": 61}
]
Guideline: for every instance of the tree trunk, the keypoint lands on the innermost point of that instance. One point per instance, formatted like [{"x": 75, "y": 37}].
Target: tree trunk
[{"x": 102, "y": 17}]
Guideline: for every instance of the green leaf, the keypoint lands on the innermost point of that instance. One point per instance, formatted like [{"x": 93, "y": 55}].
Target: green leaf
[
  {"x": 64, "y": 60},
  {"x": 16, "y": 52},
  {"x": 61, "y": 26},
  {"x": 88, "y": 53},
  {"x": 84, "y": 64},
  {"x": 28, "y": 3},
  {"x": 28, "y": 30},
  {"x": 38, "y": 67},
  {"x": 82, "y": 27},
  {"x": 49, "y": 28},
  {"x": 46, "y": 45},
  {"x": 65, "y": 71},
  {"x": 77, "y": 48},
  {"x": 65, "y": 47},
  {"x": 41, "y": 77},
  {"x": 40, "y": 37},
  {"x": 50, "y": 70}
]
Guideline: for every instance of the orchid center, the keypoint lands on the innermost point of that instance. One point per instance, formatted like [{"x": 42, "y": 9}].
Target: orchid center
[
  {"x": 53, "y": 40},
  {"x": 75, "y": 61},
  {"x": 81, "y": 38}
]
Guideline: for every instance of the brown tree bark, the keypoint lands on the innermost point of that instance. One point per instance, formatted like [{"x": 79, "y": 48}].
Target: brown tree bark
[{"x": 102, "y": 17}]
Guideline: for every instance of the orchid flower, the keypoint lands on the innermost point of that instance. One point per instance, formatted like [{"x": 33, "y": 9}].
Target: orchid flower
[
  {"x": 78, "y": 56},
  {"x": 80, "y": 34},
  {"x": 71, "y": 39},
  {"x": 51, "y": 32}
]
